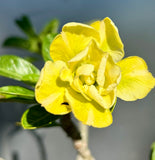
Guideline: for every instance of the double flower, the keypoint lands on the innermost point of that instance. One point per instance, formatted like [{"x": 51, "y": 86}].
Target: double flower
[{"x": 88, "y": 74}]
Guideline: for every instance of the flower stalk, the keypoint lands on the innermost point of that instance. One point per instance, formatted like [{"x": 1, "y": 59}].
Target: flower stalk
[
  {"x": 82, "y": 145},
  {"x": 69, "y": 127},
  {"x": 80, "y": 139}
]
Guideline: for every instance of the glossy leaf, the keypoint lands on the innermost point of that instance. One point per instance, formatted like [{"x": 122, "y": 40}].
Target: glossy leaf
[
  {"x": 37, "y": 117},
  {"x": 46, "y": 46},
  {"x": 18, "y": 69},
  {"x": 16, "y": 94},
  {"x": 26, "y": 26},
  {"x": 51, "y": 27}
]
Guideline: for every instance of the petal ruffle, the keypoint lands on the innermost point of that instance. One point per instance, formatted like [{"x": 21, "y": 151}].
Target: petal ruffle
[
  {"x": 89, "y": 113},
  {"x": 59, "y": 50},
  {"x": 105, "y": 101},
  {"x": 110, "y": 39},
  {"x": 92, "y": 54},
  {"x": 50, "y": 89},
  {"x": 81, "y": 29},
  {"x": 108, "y": 72},
  {"x": 112, "y": 74},
  {"x": 136, "y": 81},
  {"x": 73, "y": 39}
]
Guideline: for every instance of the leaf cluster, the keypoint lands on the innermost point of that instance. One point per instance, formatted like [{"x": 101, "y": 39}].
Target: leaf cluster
[
  {"x": 21, "y": 69},
  {"x": 34, "y": 43}
]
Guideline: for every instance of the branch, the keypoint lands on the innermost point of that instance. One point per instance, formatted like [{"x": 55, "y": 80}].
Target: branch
[
  {"x": 82, "y": 145},
  {"x": 80, "y": 141},
  {"x": 69, "y": 127}
]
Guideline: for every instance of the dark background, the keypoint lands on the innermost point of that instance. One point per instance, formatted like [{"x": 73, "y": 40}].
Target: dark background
[{"x": 133, "y": 130}]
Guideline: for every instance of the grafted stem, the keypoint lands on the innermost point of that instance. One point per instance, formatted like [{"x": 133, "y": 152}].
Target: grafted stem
[
  {"x": 80, "y": 139},
  {"x": 82, "y": 145},
  {"x": 69, "y": 127}
]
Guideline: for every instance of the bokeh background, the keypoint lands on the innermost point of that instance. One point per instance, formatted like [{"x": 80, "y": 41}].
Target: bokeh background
[{"x": 133, "y": 130}]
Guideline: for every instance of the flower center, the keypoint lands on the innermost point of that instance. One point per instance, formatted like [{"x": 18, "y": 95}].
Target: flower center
[{"x": 88, "y": 79}]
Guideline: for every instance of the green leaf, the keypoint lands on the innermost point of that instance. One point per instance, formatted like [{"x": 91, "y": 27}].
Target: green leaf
[
  {"x": 152, "y": 156},
  {"x": 31, "y": 59},
  {"x": 37, "y": 117},
  {"x": 16, "y": 42},
  {"x": 51, "y": 27},
  {"x": 16, "y": 94},
  {"x": 19, "y": 69},
  {"x": 46, "y": 46},
  {"x": 30, "y": 78},
  {"x": 33, "y": 44},
  {"x": 26, "y": 26}
]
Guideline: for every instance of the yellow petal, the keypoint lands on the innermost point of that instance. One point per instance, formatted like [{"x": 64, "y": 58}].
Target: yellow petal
[
  {"x": 136, "y": 81},
  {"x": 106, "y": 101},
  {"x": 91, "y": 54},
  {"x": 72, "y": 40},
  {"x": 66, "y": 74},
  {"x": 77, "y": 36},
  {"x": 112, "y": 74},
  {"x": 85, "y": 69},
  {"x": 101, "y": 71},
  {"x": 110, "y": 39},
  {"x": 78, "y": 86},
  {"x": 81, "y": 29},
  {"x": 100, "y": 27},
  {"x": 59, "y": 50},
  {"x": 56, "y": 104},
  {"x": 89, "y": 113},
  {"x": 50, "y": 90},
  {"x": 73, "y": 63},
  {"x": 94, "y": 54}
]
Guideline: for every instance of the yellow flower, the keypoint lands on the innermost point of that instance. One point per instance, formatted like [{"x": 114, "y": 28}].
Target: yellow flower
[{"x": 87, "y": 74}]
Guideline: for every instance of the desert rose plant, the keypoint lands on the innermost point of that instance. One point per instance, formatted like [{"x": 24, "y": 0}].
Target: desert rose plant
[{"x": 84, "y": 74}]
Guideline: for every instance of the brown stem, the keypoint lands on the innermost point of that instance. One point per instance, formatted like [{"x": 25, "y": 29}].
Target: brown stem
[
  {"x": 69, "y": 127},
  {"x": 80, "y": 143}
]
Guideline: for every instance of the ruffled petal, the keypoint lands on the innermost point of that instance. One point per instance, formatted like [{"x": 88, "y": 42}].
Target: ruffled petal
[
  {"x": 110, "y": 39},
  {"x": 105, "y": 101},
  {"x": 77, "y": 85},
  {"x": 81, "y": 29},
  {"x": 112, "y": 74},
  {"x": 59, "y": 50},
  {"x": 85, "y": 69},
  {"x": 100, "y": 27},
  {"x": 89, "y": 113},
  {"x": 73, "y": 39},
  {"x": 94, "y": 54},
  {"x": 56, "y": 104},
  {"x": 77, "y": 36},
  {"x": 101, "y": 71},
  {"x": 50, "y": 89},
  {"x": 136, "y": 81},
  {"x": 91, "y": 54}
]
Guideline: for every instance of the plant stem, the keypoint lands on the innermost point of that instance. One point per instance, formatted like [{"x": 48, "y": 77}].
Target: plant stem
[
  {"x": 82, "y": 145},
  {"x": 80, "y": 139},
  {"x": 69, "y": 127}
]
